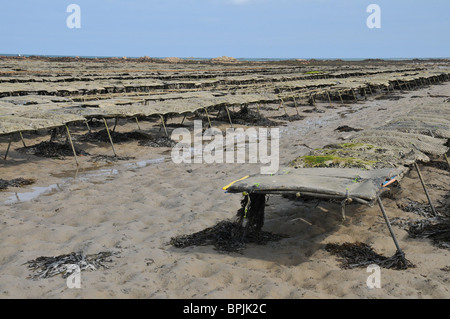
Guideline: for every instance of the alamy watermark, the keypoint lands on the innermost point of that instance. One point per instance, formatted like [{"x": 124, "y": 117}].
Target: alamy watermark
[
  {"x": 235, "y": 146},
  {"x": 373, "y": 280},
  {"x": 74, "y": 279},
  {"x": 374, "y": 19},
  {"x": 74, "y": 19}
]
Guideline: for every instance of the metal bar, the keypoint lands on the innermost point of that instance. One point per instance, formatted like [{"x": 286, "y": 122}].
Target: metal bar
[
  {"x": 87, "y": 124},
  {"x": 295, "y": 103},
  {"x": 390, "y": 229},
  {"x": 110, "y": 138},
  {"x": 340, "y": 97},
  {"x": 229, "y": 117},
  {"x": 137, "y": 122},
  {"x": 446, "y": 158},
  {"x": 71, "y": 144},
  {"x": 7, "y": 150},
  {"x": 425, "y": 189},
  {"x": 23, "y": 141},
  {"x": 207, "y": 116},
  {"x": 115, "y": 124},
  {"x": 284, "y": 107},
  {"x": 164, "y": 125},
  {"x": 184, "y": 117},
  {"x": 354, "y": 95},
  {"x": 329, "y": 99}
]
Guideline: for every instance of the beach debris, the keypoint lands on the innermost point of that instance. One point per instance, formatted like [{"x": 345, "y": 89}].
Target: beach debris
[
  {"x": 358, "y": 254},
  {"x": 109, "y": 158},
  {"x": 289, "y": 118},
  {"x": 232, "y": 235},
  {"x": 16, "y": 182},
  {"x": 438, "y": 164},
  {"x": 437, "y": 229},
  {"x": 225, "y": 236},
  {"x": 346, "y": 128},
  {"x": 102, "y": 136},
  {"x": 46, "y": 267},
  {"x": 246, "y": 116},
  {"x": 420, "y": 209},
  {"x": 52, "y": 149},
  {"x": 162, "y": 141}
]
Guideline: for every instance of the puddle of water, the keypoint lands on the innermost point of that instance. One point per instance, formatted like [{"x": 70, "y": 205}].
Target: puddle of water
[
  {"x": 35, "y": 193},
  {"x": 85, "y": 175},
  {"x": 145, "y": 163}
]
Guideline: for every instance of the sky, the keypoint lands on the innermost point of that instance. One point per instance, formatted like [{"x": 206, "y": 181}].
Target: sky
[{"x": 321, "y": 29}]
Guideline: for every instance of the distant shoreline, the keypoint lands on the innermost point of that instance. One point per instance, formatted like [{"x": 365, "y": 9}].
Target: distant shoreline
[{"x": 201, "y": 59}]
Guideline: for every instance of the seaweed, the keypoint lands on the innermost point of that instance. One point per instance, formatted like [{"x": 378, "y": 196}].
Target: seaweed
[
  {"x": 247, "y": 117},
  {"x": 232, "y": 235},
  {"x": 46, "y": 267},
  {"x": 109, "y": 158},
  {"x": 358, "y": 254},
  {"x": 158, "y": 142},
  {"x": 346, "y": 128},
  {"x": 437, "y": 229},
  {"x": 102, "y": 136},
  {"x": 52, "y": 149},
  {"x": 331, "y": 161},
  {"x": 17, "y": 182}
]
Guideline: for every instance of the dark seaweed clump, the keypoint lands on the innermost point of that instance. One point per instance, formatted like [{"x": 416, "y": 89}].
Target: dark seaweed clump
[
  {"x": 346, "y": 128},
  {"x": 46, "y": 267},
  {"x": 435, "y": 228},
  {"x": 225, "y": 236},
  {"x": 247, "y": 117},
  {"x": 231, "y": 236},
  {"x": 17, "y": 182},
  {"x": 52, "y": 149},
  {"x": 358, "y": 254},
  {"x": 158, "y": 142},
  {"x": 110, "y": 158},
  {"x": 117, "y": 137}
]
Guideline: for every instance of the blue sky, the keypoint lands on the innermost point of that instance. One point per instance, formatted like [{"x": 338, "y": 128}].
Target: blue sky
[{"x": 238, "y": 28}]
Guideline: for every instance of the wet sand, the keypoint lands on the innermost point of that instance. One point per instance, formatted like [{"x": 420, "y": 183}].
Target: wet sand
[{"x": 134, "y": 207}]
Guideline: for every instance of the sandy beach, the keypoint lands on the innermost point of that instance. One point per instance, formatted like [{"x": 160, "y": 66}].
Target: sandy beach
[{"x": 133, "y": 207}]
